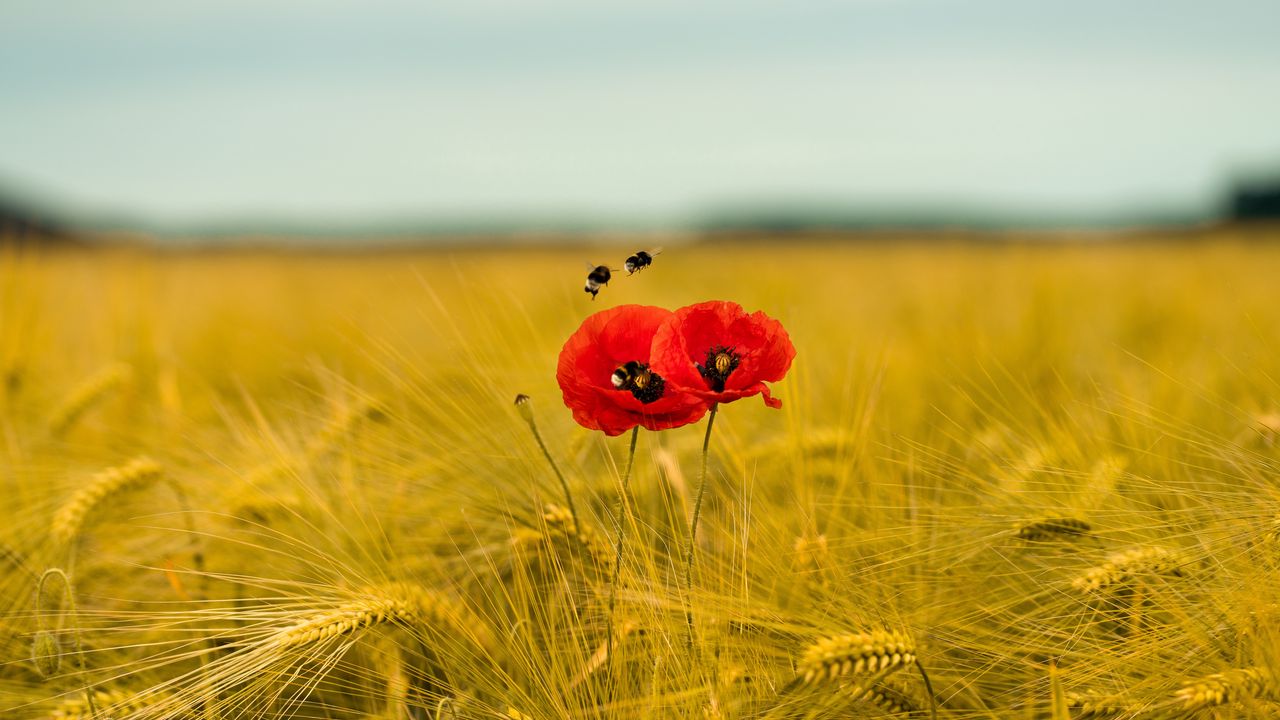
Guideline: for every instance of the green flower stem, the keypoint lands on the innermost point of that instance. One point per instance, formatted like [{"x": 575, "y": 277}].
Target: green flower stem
[
  {"x": 523, "y": 405},
  {"x": 693, "y": 525},
  {"x": 70, "y": 595},
  {"x": 623, "y": 517}
]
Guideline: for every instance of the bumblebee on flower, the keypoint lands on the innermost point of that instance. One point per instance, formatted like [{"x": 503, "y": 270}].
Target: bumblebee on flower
[
  {"x": 607, "y": 378},
  {"x": 638, "y": 365}
]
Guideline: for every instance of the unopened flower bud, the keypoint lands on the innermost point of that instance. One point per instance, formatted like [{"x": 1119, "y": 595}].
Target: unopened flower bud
[
  {"x": 46, "y": 654},
  {"x": 525, "y": 406}
]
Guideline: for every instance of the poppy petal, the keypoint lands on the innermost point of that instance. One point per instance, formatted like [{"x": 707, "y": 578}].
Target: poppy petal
[
  {"x": 605, "y": 342},
  {"x": 758, "y": 348}
]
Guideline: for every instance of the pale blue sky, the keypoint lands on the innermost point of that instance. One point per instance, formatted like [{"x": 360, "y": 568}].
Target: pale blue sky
[{"x": 188, "y": 112}]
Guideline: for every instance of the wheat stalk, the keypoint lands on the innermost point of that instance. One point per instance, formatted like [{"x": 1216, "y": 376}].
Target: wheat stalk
[
  {"x": 1225, "y": 687},
  {"x": 86, "y": 395},
  {"x": 856, "y": 654},
  {"x": 1121, "y": 568},
  {"x": 70, "y": 518}
]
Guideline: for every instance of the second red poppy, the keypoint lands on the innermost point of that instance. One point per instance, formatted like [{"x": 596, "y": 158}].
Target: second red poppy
[{"x": 719, "y": 352}]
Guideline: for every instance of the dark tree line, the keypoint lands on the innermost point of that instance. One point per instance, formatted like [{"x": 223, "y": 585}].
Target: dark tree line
[
  {"x": 1255, "y": 201},
  {"x": 22, "y": 225}
]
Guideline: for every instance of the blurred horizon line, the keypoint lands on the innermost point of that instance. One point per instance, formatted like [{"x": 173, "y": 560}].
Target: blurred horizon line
[{"x": 1246, "y": 197}]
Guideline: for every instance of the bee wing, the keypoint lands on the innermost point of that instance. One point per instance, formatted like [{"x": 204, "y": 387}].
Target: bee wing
[
  {"x": 656, "y": 251},
  {"x": 590, "y": 265}
]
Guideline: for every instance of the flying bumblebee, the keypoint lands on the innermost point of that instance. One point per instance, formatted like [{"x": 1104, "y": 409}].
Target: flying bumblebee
[
  {"x": 641, "y": 260},
  {"x": 597, "y": 277}
]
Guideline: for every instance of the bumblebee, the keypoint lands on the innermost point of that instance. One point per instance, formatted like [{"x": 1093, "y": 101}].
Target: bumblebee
[
  {"x": 636, "y": 378},
  {"x": 641, "y": 260},
  {"x": 598, "y": 277}
]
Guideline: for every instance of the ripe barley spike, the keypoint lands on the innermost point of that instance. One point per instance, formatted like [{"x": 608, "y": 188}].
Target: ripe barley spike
[
  {"x": 1226, "y": 687},
  {"x": 396, "y": 603},
  {"x": 86, "y": 395},
  {"x": 1097, "y": 706},
  {"x": 1052, "y": 528},
  {"x": 70, "y": 518},
  {"x": 856, "y": 654},
  {"x": 874, "y": 653},
  {"x": 1123, "y": 567},
  {"x": 888, "y": 695}
]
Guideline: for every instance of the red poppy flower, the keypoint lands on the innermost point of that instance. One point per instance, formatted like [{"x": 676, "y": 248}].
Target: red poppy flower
[
  {"x": 606, "y": 380},
  {"x": 717, "y": 351}
]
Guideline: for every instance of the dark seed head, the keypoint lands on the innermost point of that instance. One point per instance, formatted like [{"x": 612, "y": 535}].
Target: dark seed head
[{"x": 720, "y": 363}]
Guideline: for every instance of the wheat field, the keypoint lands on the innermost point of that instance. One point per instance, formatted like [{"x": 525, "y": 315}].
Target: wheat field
[{"x": 1009, "y": 479}]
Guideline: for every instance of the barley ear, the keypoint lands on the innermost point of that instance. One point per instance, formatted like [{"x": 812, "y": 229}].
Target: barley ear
[
  {"x": 86, "y": 395},
  {"x": 70, "y": 518},
  {"x": 1122, "y": 568},
  {"x": 1226, "y": 687},
  {"x": 1049, "y": 529},
  {"x": 894, "y": 698},
  {"x": 871, "y": 652},
  {"x": 1091, "y": 705}
]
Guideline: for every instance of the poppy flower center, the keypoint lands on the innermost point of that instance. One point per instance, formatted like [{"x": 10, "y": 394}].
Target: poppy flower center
[
  {"x": 636, "y": 378},
  {"x": 720, "y": 362}
]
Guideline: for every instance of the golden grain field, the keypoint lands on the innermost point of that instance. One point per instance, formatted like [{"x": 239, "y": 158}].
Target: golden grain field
[{"x": 246, "y": 484}]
